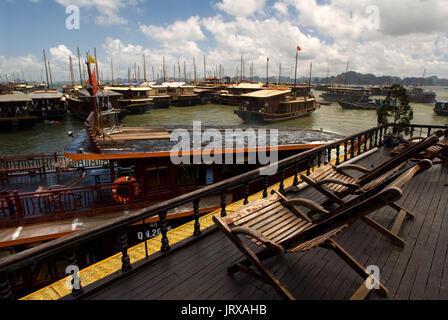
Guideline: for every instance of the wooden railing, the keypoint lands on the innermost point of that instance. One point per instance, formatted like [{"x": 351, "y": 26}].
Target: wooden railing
[
  {"x": 339, "y": 151},
  {"x": 20, "y": 165},
  {"x": 25, "y": 208}
]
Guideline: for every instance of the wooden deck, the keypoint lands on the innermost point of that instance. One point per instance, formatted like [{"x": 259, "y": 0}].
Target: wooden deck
[{"x": 417, "y": 271}]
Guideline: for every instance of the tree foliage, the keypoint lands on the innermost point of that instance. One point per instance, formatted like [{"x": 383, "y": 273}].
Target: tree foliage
[{"x": 401, "y": 113}]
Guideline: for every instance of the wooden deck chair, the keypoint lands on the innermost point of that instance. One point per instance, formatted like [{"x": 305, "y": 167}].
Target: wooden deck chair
[
  {"x": 71, "y": 184},
  {"x": 278, "y": 226},
  {"x": 438, "y": 150},
  {"x": 336, "y": 183}
]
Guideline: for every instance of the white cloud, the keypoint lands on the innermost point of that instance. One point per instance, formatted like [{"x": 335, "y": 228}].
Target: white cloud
[{"x": 239, "y": 8}]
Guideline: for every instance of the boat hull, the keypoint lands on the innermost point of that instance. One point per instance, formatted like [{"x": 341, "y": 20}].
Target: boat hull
[
  {"x": 358, "y": 106},
  {"x": 261, "y": 117}
]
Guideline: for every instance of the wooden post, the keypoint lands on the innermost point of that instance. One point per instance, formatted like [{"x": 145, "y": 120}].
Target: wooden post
[
  {"x": 197, "y": 226},
  {"x": 19, "y": 213},
  {"x": 163, "y": 224},
  {"x": 125, "y": 260}
]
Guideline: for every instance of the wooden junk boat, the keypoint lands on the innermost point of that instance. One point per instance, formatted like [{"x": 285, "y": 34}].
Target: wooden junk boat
[
  {"x": 135, "y": 99},
  {"x": 346, "y": 94},
  {"x": 182, "y": 94},
  {"x": 48, "y": 105},
  {"x": 420, "y": 95},
  {"x": 14, "y": 111},
  {"x": 441, "y": 108},
  {"x": 266, "y": 106},
  {"x": 233, "y": 94},
  {"x": 79, "y": 102}
]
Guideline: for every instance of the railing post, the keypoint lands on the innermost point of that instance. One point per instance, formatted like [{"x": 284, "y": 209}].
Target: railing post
[
  {"x": 164, "y": 229},
  {"x": 5, "y": 288},
  {"x": 359, "y": 145},
  {"x": 265, "y": 186},
  {"x": 197, "y": 226},
  {"x": 376, "y": 138},
  {"x": 412, "y": 131},
  {"x": 329, "y": 155},
  {"x": 281, "y": 187},
  {"x": 125, "y": 260},
  {"x": 352, "y": 148},
  {"x": 246, "y": 192},
  {"x": 345, "y": 150},
  {"x": 19, "y": 211},
  {"x": 296, "y": 173},
  {"x": 223, "y": 203},
  {"x": 337, "y": 154}
]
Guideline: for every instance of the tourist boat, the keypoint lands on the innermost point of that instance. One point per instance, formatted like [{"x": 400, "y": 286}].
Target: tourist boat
[
  {"x": 366, "y": 104},
  {"x": 418, "y": 94},
  {"x": 233, "y": 94},
  {"x": 441, "y": 108},
  {"x": 267, "y": 106},
  {"x": 131, "y": 169},
  {"x": 135, "y": 99},
  {"x": 346, "y": 94},
  {"x": 79, "y": 102},
  {"x": 181, "y": 94},
  {"x": 14, "y": 111},
  {"x": 159, "y": 95},
  {"x": 48, "y": 105}
]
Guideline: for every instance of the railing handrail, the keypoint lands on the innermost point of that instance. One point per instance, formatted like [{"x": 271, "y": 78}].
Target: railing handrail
[{"x": 72, "y": 240}]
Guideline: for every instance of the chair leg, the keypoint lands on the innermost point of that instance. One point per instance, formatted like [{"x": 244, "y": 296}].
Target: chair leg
[
  {"x": 384, "y": 231},
  {"x": 263, "y": 271},
  {"x": 363, "y": 291}
]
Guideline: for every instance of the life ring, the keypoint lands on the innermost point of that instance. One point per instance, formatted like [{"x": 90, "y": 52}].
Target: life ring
[{"x": 123, "y": 181}]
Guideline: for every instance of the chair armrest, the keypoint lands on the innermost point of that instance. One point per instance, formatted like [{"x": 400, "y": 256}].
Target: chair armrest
[
  {"x": 259, "y": 236},
  {"x": 337, "y": 181},
  {"x": 353, "y": 167},
  {"x": 307, "y": 204}
]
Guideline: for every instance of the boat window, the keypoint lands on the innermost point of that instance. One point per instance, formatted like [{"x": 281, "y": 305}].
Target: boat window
[
  {"x": 186, "y": 175},
  {"x": 158, "y": 178}
]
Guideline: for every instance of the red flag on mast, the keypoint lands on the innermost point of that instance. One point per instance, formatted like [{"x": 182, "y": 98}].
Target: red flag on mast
[
  {"x": 299, "y": 48},
  {"x": 95, "y": 87}
]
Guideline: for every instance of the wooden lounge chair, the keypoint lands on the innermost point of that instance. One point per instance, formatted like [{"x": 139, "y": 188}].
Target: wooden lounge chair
[
  {"x": 336, "y": 183},
  {"x": 438, "y": 150},
  {"x": 277, "y": 225}
]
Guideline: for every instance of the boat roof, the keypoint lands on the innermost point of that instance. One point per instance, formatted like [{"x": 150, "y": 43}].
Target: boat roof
[
  {"x": 45, "y": 95},
  {"x": 128, "y": 88},
  {"x": 155, "y": 141},
  {"x": 14, "y": 96},
  {"x": 100, "y": 93},
  {"x": 176, "y": 85},
  {"x": 266, "y": 93},
  {"x": 247, "y": 86}
]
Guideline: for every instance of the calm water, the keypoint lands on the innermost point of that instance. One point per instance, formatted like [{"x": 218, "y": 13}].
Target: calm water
[{"x": 53, "y": 138}]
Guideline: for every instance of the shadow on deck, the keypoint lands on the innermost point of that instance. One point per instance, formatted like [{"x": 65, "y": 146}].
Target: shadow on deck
[{"x": 417, "y": 271}]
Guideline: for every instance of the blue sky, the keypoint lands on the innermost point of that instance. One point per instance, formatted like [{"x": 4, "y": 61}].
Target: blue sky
[{"x": 331, "y": 33}]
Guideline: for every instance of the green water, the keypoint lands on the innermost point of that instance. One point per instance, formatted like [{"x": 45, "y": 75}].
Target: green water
[{"x": 53, "y": 138}]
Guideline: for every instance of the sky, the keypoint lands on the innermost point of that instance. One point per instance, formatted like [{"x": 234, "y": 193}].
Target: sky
[{"x": 403, "y": 38}]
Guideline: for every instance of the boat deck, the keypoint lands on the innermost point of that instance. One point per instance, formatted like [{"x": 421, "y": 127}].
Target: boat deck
[{"x": 417, "y": 271}]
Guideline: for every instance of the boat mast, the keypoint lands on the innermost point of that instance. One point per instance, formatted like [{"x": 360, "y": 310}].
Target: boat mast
[
  {"x": 80, "y": 71},
  {"x": 72, "y": 76},
  {"x": 51, "y": 78},
  {"x": 309, "y": 82},
  {"x": 153, "y": 78},
  {"x": 185, "y": 72},
  {"x": 178, "y": 69},
  {"x": 92, "y": 95},
  {"x": 97, "y": 70},
  {"x": 46, "y": 70},
  {"x": 112, "y": 68},
  {"x": 144, "y": 68},
  {"x": 295, "y": 70},
  {"x": 279, "y": 73},
  {"x": 129, "y": 76},
  {"x": 163, "y": 71},
  {"x": 267, "y": 70},
  {"x": 205, "y": 74},
  {"x": 194, "y": 69},
  {"x": 241, "y": 79},
  {"x": 346, "y": 72}
]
